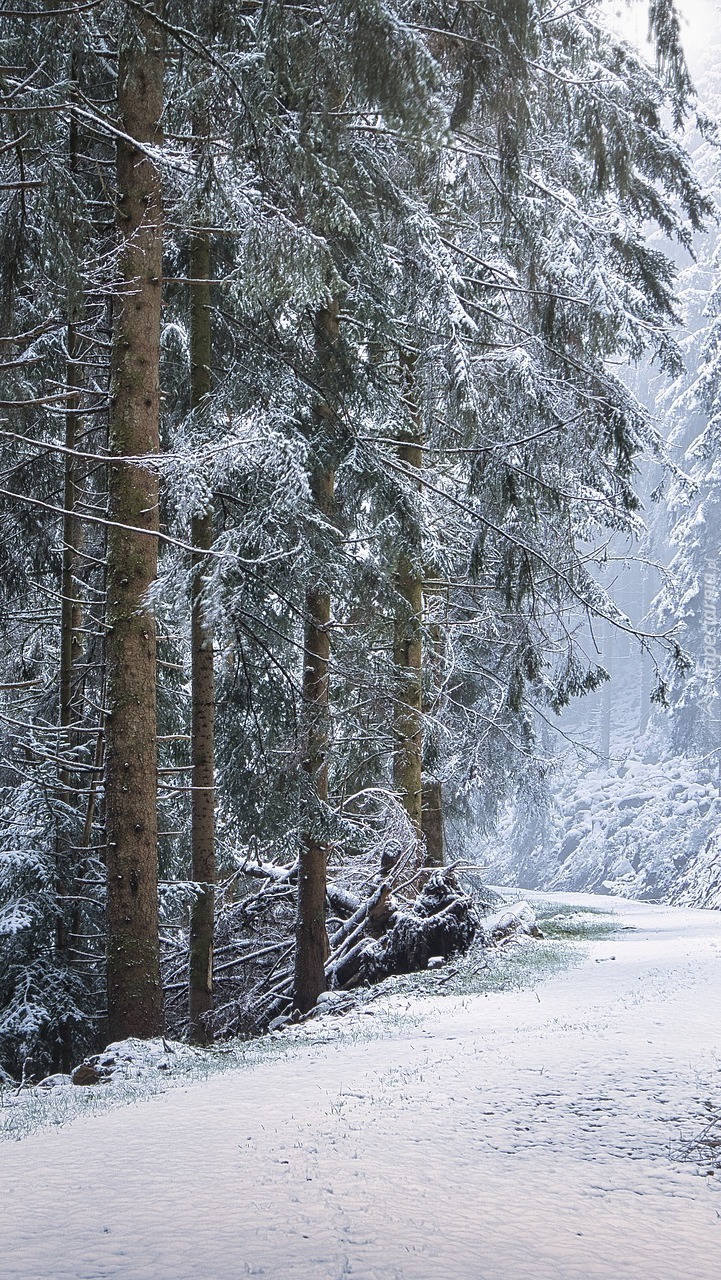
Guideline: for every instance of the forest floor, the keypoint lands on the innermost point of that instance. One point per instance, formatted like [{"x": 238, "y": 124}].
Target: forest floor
[{"x": 570, "y": 1130}]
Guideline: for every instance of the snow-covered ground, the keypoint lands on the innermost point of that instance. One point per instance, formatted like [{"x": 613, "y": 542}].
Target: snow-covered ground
[{"x": 545, "y": 1133}]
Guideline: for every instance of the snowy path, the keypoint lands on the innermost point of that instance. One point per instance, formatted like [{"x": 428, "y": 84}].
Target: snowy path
[{"x": 522, "y": 1134}]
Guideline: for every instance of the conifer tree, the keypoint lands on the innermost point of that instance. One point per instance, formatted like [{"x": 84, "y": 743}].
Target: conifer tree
[
  {"x": 311, "y": 939},
  {"x": 201, "y": 643},
  {"x": 134, "y": 991},
  {"x": 408, "y": 621},
  {"x": 687, "y": 522},
  {"x": 54, "y": 376}
]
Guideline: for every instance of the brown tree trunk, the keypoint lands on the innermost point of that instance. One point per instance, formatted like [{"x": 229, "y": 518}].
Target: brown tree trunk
[
  {"x": 432, "y": 819},
  {"x": 203, "y": 705},
  {"x": 71, "y": 622},
  {"x": 407, "y": 638},
  {"x": 70, "y": 649},
  {"x": 432, "y": 815},
  {"x": 135, "y": 1001},
  {"x": 312, "y": 950},
  {"x": 71, "y": 619}
]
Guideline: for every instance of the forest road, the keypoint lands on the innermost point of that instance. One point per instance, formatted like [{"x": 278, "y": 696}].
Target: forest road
[{"x": 545, "y": 1133}]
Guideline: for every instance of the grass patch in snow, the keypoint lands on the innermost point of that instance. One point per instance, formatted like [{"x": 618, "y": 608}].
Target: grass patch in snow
[
  {"x": 370, "y": 1014},
  {"x": 485, "y": 970},
  {"x": 518, "y": 964},
  {"x": 574, "y": 924}
]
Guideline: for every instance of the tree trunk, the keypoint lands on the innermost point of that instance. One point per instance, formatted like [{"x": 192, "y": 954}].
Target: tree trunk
[
  {"x": 70, "y": 648},
  {"x": 432, "y": 821},
  {"x": 311, "y": 937},
  {"x": 71, "y": 622},
  {"x": 70, "y": 608},
  {"x": 203, "y": 707},
  {"x": 407, "y": 640},
  {"x": 135, "y": 1002},
  {"x": 607, "y": 699},
  {"x": 432, "y": 813},
  {"x": 312, "y": 949}
]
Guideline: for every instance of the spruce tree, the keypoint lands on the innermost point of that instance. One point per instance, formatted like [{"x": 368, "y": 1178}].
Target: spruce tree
[
  {"x": 408, "y": 620},
  {"x": 201, "y": 643},
  {"x": 54, "y": 384},
  {"x": 135, "y": 1005},
  {"x": 311, "y": 950}
]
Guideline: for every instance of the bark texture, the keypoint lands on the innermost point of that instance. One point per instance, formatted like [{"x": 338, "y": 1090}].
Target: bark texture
[
  {"x": 135, "y": 1004},
  {"x": 203, "y": 705},
  {"x": 432, "y": 818},
  {"x": 71, "y": 621},
  {"x": 432, "y": 814},
  {"x": 312, "y": 950},
  {"x": 70, "y": 650},
  {"x": 407, "y": 631}
]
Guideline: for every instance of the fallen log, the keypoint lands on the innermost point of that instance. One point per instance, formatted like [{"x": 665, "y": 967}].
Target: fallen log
[
  {"x": 341, "y": 901},
  {"x": 391, "y": 938}
]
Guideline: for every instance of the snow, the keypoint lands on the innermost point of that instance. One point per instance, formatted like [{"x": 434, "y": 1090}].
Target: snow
[
  {"x": 637, "y": 827},
  {"x": 489, "y": 1137}
]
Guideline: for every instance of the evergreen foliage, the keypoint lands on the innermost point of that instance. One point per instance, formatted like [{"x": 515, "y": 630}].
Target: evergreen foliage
[
  {"x": 692, "y": 591},
  {"x": 470, "y": 188}
]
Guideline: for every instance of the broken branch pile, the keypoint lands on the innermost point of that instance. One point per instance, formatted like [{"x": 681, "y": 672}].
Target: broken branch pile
[
  {"x": 374, "y": 932},
  {"x": 388, "y": 936}
]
